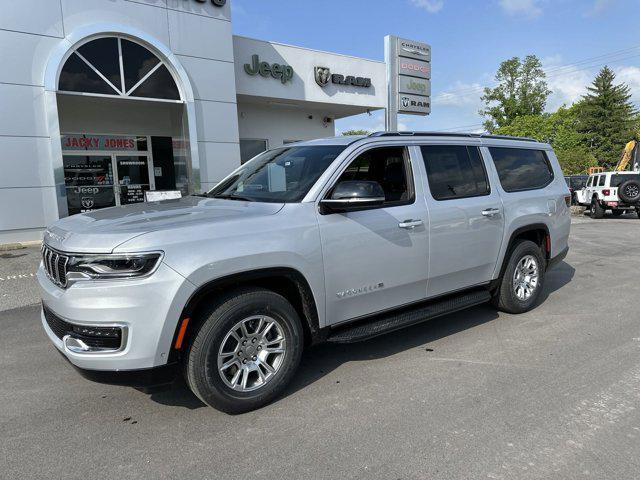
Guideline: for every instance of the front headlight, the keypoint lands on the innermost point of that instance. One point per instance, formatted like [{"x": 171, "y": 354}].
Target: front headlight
[{"x": 100, "y": 267}]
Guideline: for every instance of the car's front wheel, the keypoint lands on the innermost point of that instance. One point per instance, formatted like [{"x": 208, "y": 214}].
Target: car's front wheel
[
  {"x": 245, "y": 352},
  {"x": 523, "y": 279}
]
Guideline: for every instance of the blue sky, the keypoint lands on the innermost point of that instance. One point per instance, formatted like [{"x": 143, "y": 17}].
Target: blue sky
[{"x": 573, "y": 38}]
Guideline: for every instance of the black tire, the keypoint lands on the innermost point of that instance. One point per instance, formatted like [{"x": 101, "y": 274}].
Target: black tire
[
  {"x": 629, "y": 191},
  {"x": 638, "y": 212},
  {"x": 201, "y": 362},
  {"x": 596, "y": 209},
  {"x": 505, "y": 298},
  {"x": 617, "y": 212}
]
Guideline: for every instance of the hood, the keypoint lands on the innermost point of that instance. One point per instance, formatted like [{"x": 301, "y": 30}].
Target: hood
[{"x": 103, "y": 230}]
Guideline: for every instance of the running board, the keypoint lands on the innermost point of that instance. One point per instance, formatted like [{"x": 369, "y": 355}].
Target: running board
[{"x": 384, "y": 323}]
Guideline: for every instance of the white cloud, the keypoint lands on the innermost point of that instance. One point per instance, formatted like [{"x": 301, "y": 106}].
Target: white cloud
[
  {"x": 570, "y": 84},
  {"x": 527, "y": 8},
  {"x": 630, "y": 76},
  {"x": 567, "y": 84},
  {"x": 598, "y": 7},
  {"x": 431, "y": 6},
  {"x": 460, "y": 94}
]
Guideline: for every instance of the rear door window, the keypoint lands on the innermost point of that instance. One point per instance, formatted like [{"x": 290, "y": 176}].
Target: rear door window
[
  {"x": 521, "y": 169},
  {"x": 455, "y": 171}
]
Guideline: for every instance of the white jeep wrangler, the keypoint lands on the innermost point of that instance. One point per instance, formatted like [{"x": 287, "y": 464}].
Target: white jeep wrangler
[{"x": 615, "y": 191}]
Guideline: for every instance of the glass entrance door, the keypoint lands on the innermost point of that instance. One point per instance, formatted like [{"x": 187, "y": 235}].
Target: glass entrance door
[
  {"x": 133, "y": 178},
  {"x": 89, "y": 182}
]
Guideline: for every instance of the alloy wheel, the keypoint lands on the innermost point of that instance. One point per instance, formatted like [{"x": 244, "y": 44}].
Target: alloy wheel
[
  {"x": 252, "y": 353},
  {"x": 526, "y": 278}
]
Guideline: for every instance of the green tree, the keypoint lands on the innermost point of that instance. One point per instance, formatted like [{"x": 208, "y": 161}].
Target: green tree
[
  {"x": 607, "y": 118},
  {"x": 347, "y": 133},
  {"x": 521, "y": 90}
]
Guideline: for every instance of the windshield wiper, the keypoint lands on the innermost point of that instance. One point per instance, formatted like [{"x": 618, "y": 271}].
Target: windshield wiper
[{"x": 234, "y": 197}]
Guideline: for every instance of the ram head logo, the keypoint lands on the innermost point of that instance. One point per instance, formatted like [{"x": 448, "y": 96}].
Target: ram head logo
[{"x": 323, "y": 74}]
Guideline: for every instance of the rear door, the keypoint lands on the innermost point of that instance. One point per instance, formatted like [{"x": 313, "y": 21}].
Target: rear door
[
  {"x": 466, "y": 216},
  {"x": 376, "y": 259}
]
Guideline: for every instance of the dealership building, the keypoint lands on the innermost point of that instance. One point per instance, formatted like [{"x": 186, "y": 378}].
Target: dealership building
[{"x": 103, "y": 100}]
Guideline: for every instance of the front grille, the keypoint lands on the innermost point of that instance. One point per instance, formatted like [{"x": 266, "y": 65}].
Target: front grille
[
  {"x": 96, "y": 337},
  {"x": 55, "y": 264}
]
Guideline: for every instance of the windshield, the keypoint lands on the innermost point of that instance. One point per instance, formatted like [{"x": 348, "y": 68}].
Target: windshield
[{"x": 280, "y": 175}]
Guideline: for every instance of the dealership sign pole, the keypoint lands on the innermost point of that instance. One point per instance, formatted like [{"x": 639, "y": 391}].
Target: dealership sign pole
[{"x": 408, "y": 79}]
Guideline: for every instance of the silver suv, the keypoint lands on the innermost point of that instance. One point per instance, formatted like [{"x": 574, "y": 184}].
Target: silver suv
[{"x": 334, "y": 240}]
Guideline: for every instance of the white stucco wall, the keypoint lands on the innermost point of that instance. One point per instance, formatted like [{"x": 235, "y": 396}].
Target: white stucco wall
[
  {"x": 278, "y": 124},
  {"x": 195, "y": 39},
  {"x": 198, "y": 35},
  {"x": 303, "y": 86}
]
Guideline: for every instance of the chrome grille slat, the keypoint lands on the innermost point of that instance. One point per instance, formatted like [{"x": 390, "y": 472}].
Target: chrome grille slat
[{"x": 55, "y": 265}]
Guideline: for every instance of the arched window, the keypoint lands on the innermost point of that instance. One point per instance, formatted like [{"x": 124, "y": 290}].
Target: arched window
[{"x": 119, "y": 67}]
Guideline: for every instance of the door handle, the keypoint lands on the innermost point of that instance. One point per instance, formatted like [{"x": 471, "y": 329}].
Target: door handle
[
  {"x": 490, "y": 212},
  {"x": 410, "y": 224}
]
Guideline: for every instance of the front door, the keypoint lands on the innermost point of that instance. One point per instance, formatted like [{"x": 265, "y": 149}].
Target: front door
[
  {"x": 376, "y": 259},
  {"x": 467, "y": 218},
  {"x": 133, "y": 178}
]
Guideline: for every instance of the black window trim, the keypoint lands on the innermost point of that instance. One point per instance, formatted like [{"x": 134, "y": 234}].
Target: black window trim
[
  {"x": 409, "y": 170},
  {"x": 484, "y": 169},
  {"x": 546, "y": 159}
]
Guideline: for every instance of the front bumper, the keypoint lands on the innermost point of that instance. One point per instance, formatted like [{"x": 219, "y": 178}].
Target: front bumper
[{"x": 146, "y": 311}]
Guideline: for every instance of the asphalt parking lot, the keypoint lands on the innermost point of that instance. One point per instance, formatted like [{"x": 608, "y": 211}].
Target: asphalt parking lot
[{"x": 550, "y": 394}]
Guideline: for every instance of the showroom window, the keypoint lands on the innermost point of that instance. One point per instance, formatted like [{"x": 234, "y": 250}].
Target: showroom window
[
  {"x": 117, "y": 66},
  {"x": 249, "y": 148}
]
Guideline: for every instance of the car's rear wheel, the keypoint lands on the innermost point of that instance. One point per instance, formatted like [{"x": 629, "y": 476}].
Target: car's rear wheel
[
  {"x": 523, "y": 279},
  {"x": 596, "y": 209},
  {"x": 245, "y": 352}
]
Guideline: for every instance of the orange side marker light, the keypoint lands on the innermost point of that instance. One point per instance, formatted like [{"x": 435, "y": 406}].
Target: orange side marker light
[{"x": 181, "y": 332}]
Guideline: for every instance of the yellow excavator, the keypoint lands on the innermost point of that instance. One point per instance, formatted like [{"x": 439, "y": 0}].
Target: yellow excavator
[{"x": 629, "y": 156}]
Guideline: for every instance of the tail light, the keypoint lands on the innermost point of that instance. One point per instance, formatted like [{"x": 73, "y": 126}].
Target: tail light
[{"x": 606, "y": 192}]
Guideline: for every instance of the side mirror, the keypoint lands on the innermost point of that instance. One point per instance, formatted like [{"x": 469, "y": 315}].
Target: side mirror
[{"x": 354, "y": 195}]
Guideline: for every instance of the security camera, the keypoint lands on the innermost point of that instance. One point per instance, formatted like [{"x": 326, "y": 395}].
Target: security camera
[{"x": 327, "y": 120}]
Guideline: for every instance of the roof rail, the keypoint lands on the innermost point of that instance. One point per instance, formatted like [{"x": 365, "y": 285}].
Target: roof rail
[{"x": 451, "y": 134}]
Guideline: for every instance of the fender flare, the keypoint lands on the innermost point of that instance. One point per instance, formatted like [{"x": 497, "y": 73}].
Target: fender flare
[{"x": 305, "y": 304}]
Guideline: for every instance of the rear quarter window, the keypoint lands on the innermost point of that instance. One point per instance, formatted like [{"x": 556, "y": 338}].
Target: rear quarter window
[
  {"x": 521, "y": 169},
  {"x": 619, "y": 179}
]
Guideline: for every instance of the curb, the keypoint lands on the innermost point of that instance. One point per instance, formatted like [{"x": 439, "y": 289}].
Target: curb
[{"x": 19, "y": 246}]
